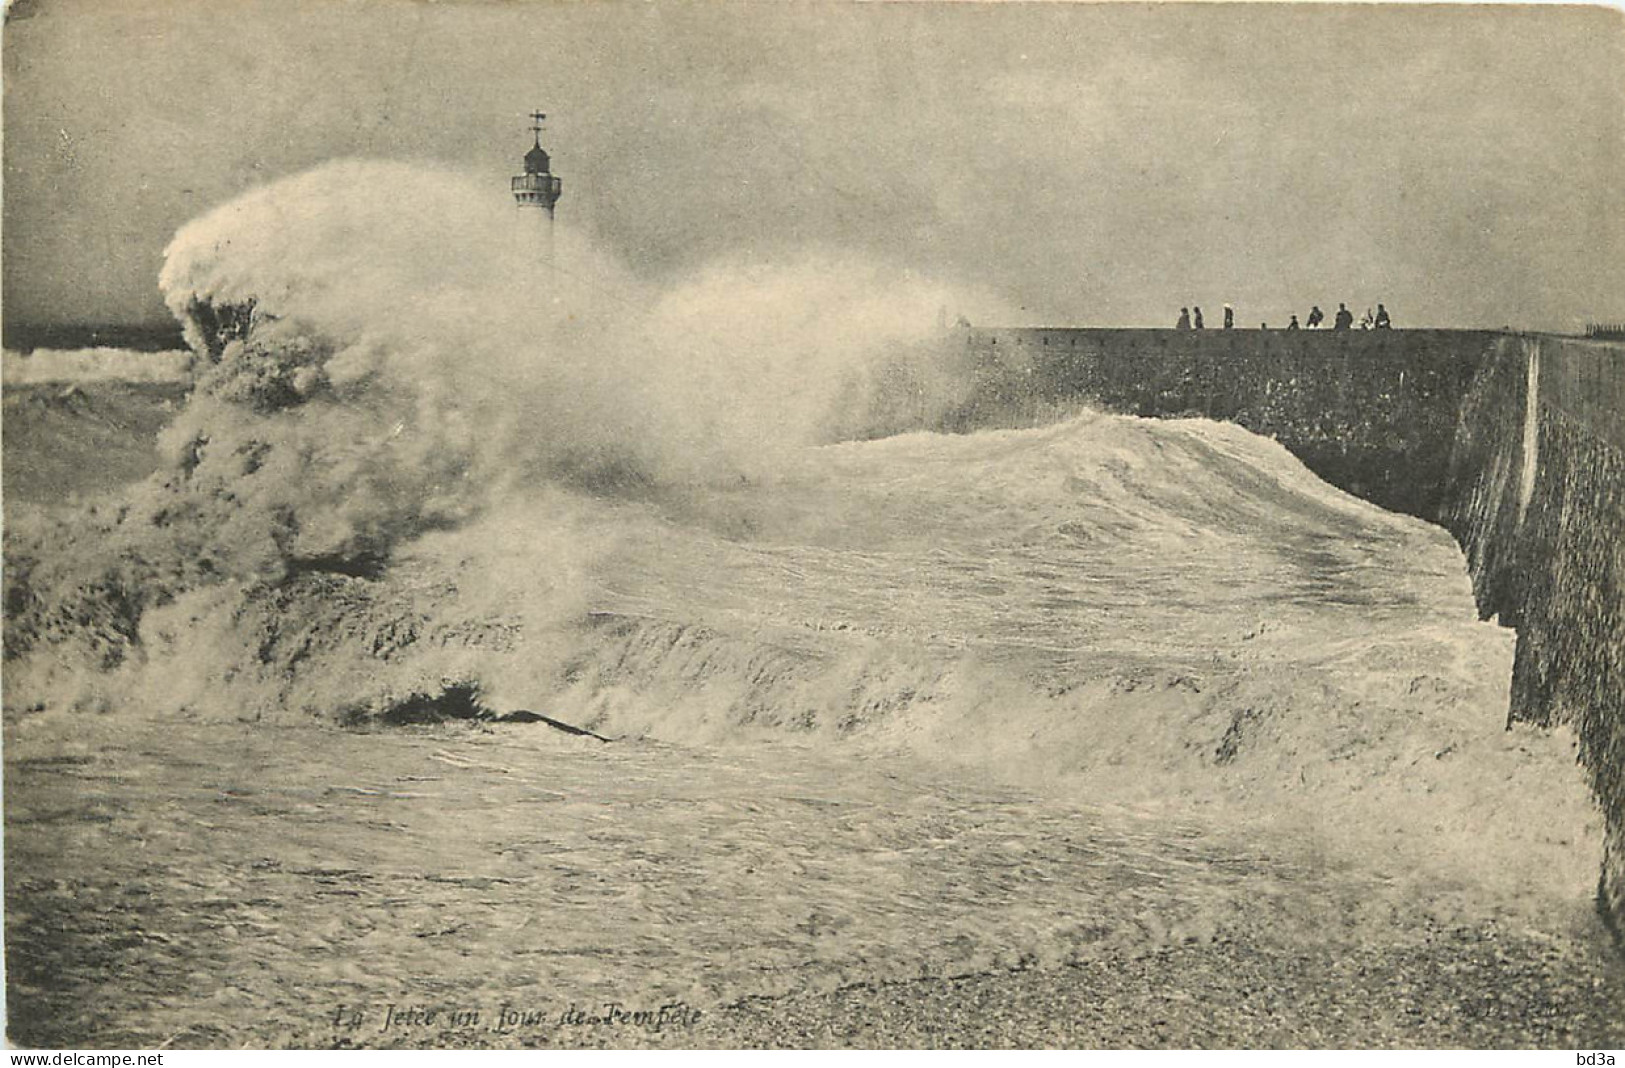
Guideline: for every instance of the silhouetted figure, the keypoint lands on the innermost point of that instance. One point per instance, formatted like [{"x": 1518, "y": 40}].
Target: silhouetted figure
[
  {"x": 1345, "y": 318},
  {"x": 1382, "y": 318},
  {"x": 1293, "y": 325},
  {"x": 1198, "y": 318},
  {"x": 1316, "y": 317},
  {"x": 1229, "y": 317},
  {"x": 1367, "y": 321},
  {"x": 1184, "y": 319}
]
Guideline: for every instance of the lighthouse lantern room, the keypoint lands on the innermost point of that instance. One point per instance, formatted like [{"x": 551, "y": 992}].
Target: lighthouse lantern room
[{"x": 537, "y": 190}]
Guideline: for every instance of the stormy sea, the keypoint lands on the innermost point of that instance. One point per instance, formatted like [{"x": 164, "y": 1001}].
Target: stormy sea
[{"x": 449, "y": 648}]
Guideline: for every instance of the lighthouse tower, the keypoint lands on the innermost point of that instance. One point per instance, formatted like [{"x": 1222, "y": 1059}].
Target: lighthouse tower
[{"x": 536, "y": 191}]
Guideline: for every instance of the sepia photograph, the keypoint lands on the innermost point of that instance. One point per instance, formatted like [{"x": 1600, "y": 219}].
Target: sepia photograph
[{"x": 813, "y": 524}]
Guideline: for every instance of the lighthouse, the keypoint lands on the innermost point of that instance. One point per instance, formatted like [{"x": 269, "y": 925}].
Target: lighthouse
[{"x": 536, "y": 191}]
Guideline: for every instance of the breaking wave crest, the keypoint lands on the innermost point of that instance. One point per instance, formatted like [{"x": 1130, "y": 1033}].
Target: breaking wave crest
[{"x": 95, "y": 365}]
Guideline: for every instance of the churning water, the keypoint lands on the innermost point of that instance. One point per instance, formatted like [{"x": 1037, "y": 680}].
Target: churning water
[{"x": 926, "y": 704}]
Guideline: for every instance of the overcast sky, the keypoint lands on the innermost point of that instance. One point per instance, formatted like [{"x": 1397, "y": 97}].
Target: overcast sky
[{"x": 1092, "y": 164}]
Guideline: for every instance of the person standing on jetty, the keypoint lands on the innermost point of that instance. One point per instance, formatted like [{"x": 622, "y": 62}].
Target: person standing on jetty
[
  {"x": 1293, "y": 325},
  {"x": 1184, "y": 319},
  {"x": 1382, "y": 318},
  {"x": 1345, "y": 318},
  {"x": 1198, "y": 318},
  {"x": 1229, "y": 317},
  {"x": 1316, "y": 317}
]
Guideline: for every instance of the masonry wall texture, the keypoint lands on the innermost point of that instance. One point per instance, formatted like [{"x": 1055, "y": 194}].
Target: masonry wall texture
[
  {"x": 1514, "y": 443},
  {"x": 1537, "y": 500}
]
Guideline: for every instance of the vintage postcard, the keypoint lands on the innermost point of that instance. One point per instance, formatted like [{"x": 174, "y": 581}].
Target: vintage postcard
[{"x": 813, "y": 525}]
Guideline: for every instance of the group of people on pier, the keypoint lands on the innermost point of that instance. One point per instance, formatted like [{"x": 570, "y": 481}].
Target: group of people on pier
[{"x": 1344, "y": 319}]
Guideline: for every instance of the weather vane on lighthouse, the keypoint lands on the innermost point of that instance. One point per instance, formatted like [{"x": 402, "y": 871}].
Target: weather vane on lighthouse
[{"x": 537, "y": 190}]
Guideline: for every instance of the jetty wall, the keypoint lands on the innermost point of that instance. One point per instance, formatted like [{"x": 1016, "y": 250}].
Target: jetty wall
[
  {"x": 1536, "y": 498},
  {"x": 1515, "y": 443}
]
